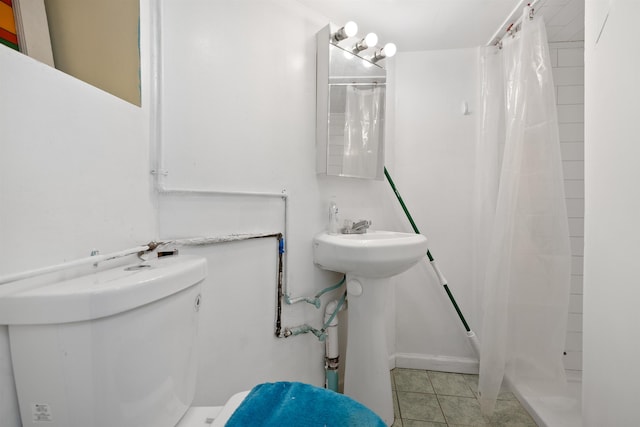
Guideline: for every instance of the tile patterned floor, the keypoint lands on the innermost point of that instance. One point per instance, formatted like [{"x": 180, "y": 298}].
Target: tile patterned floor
[{"x": 440, "y": 399}]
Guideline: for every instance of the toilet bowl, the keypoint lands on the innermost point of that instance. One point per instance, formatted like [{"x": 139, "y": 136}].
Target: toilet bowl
[{"x": 114, "y": 348}]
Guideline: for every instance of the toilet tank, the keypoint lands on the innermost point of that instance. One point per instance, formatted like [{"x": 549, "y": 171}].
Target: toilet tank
[{"x": 114, "y": 348}]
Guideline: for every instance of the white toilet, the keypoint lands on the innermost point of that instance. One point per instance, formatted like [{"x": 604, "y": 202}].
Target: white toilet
[{"x": 113, "y": 348}]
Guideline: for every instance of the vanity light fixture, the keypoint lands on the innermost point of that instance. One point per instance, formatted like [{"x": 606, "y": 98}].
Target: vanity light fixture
[
  {"x": 350, "y": 29},
  {"x": 387, "y": 51},
  {"x": 370, "y": 40}
]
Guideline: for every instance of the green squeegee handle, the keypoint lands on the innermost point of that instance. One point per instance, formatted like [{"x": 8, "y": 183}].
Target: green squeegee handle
[{"x": 431, "y": 259}]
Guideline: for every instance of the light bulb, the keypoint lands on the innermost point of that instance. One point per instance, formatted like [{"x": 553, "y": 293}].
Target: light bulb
[
  {"x": 369, "y": 41},
  {"x": 350, "y": 29},
  {"x": 389, "y": 49}
]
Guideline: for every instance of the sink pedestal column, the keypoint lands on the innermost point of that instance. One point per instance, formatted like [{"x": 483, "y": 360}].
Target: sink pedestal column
[{"x": 367, "y": 377}]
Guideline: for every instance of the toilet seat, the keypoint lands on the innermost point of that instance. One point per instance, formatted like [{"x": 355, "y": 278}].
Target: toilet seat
[{"x": 202, "y": 416}]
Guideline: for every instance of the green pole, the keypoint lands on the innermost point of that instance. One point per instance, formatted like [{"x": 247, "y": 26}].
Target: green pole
[{"x": 431, "y": 259}]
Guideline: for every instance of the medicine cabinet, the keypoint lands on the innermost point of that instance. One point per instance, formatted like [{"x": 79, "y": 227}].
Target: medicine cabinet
[{"x": 350, "y": 121}]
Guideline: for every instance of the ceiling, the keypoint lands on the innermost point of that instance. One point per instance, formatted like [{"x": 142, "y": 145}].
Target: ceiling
[
  {"x": 448, "y": 24},
  {"x": 564, "y": 19}
]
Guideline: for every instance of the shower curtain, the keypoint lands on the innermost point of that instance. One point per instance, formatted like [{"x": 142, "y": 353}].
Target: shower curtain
[
  {"x": 523, "y": 259},
  {"x": 363, "y": 131}
]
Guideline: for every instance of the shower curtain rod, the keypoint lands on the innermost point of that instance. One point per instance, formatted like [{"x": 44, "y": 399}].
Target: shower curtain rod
[{"x": 513, "y": 21}]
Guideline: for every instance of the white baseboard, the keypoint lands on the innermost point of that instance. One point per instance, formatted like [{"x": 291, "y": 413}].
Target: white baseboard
[{"x": 461, "y": 365}]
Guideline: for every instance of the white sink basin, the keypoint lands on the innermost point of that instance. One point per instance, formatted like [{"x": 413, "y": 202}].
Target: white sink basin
[{"x": 375, "y": 254}]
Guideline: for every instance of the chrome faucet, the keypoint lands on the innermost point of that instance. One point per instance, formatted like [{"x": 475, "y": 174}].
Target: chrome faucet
[{"x": 359, "y": 227}]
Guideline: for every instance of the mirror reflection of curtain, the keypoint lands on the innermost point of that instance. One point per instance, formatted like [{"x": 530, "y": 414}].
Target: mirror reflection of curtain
[
  {"x": 363, "y": 131},
  {"x": 524, "y": 261}
]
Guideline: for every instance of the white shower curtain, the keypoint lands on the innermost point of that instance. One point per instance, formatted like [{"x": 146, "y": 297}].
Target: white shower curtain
[{"x": 523, "y": 259}]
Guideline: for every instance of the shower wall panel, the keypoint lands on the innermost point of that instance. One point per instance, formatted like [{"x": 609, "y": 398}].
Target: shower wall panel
[{"x": 567, "y": 60}]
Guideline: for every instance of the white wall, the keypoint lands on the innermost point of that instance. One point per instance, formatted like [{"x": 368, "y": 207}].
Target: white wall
[
  {"x": 611, "y": 292},
  {"x": 434, "y": 170},
  {"x": 72, "y": 168},
  {"x": 238, "y": 113}
]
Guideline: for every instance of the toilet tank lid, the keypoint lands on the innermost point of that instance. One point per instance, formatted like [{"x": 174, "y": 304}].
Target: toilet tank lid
[{"x": 101, "y": 294}]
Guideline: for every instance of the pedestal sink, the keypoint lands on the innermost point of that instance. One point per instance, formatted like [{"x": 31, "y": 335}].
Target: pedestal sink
[{"x": 368, "y": 260}]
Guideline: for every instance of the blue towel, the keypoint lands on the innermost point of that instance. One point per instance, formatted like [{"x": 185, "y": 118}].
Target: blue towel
[{"x": 301, "y": 405}]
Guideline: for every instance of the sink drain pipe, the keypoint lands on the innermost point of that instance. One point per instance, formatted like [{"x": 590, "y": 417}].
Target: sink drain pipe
[
  {"x": 331, "y": 349},
  {"x": 473, "y": 339}
]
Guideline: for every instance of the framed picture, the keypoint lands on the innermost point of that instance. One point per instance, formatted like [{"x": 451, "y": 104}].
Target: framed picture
[
  {"x": 8, "y": 32},
  {"x": 24, "y": 27}
]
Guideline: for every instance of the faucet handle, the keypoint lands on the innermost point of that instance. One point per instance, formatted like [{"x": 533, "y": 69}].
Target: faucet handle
[
  {"x": 359, "y": 227},
  {"x": 363, "y": 223}
]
